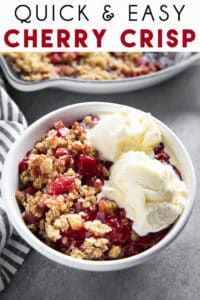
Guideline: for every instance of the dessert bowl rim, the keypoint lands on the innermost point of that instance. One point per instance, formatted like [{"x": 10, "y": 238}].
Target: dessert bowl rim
[{"x": 10, "y": 204}]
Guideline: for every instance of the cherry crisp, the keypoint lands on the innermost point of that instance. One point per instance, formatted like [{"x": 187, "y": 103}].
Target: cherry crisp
[{"x": 60, "y": 179}]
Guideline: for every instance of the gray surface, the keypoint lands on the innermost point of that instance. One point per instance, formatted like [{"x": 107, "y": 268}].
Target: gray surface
[{"x": 175, "y": 273}]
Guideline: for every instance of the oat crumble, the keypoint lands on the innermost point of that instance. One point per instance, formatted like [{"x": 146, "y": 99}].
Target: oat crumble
[
  {"x": 60, "y": 179},
  {"x": 34, "y": 66}
]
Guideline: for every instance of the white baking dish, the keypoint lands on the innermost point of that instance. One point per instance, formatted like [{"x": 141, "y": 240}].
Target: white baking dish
[{"x": 181, "y": 62}]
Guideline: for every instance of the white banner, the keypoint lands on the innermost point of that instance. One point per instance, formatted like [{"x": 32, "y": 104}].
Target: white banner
[{"x": 98, "y": 25}]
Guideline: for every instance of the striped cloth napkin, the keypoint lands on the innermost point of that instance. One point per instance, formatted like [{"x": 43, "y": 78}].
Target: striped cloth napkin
[{"x": 13, "y": 249}]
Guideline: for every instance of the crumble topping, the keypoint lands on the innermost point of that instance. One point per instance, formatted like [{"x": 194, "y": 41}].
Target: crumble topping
[
  {"x": 34, "y": 66},
  {"x": 62, "y": 222},
  {"x": 75, "y": 221},
  {"x": 115, "y": 252},
  {"x": 92, "y": 248},
  {"x": 97, "y": 227},
  {"x": 52, "y": 232},
  {"x": 60, "y": 181}
]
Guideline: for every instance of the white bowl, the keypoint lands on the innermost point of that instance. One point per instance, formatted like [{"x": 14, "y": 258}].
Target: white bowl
[{"x": 69, "y": 114}]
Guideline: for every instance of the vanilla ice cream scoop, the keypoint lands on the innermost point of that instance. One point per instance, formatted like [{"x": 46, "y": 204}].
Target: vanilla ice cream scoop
[
  {"x": 123, "y": 131},
  {"x": 150, "y": 191}
]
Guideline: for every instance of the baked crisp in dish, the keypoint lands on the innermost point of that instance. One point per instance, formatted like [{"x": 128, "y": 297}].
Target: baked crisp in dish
[
  {"x": 60, "y": 196},
  {"x": 34, "y": 66}
]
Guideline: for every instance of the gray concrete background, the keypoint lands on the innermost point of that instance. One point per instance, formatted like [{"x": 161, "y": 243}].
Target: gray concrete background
[{"x": 175, "y": 273}]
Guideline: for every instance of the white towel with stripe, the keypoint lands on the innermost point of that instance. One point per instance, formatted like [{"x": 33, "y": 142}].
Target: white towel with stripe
[{"x": 13, "y": 249}]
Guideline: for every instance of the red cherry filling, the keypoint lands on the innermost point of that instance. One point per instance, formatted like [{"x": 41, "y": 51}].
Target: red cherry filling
[
  {"x": 31, "y": 190},
  {"x": 61, "y": 185},
  {"x": 87, "y": 166},
  {"x": 149, "y": 240},
  {"x": 61, "y": 151},
  {"x": 76, "y": 237},
  {"x": 41, "y": 208},
  {"x": 30, "y": 219},
  {"x": 160, "y": 154},
  {"x": 55, "y": 57},
  {"x": 72, "y": 237},
  {"x": 90, "y": 214},
  {"x": 22, "y": 165},
  {"x": 62, "y": 243},
  {"x": 163, "y": 157},
  {"x": 131, "y": 249},
  {"x": 121, "y": 228},
  {"x": 177, "y": 172},
  {"x": 36, "y": 171},
  {"x": 159, "y": 149}
]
